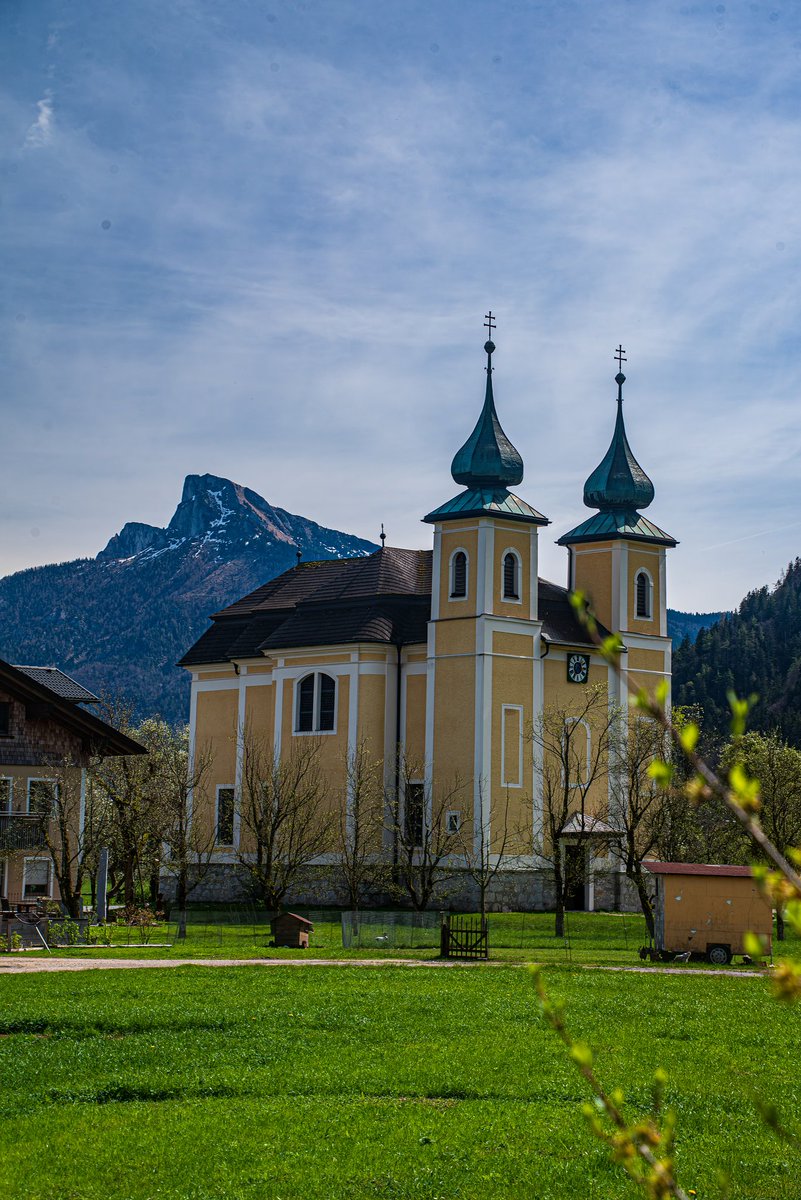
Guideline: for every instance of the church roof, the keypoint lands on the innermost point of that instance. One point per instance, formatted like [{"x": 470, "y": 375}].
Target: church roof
[
  {"x": 604, "y": 526},
  {"x": 488, "y": 458},
  {"x": 487, "y": 465},
  {"x": 618, "y": 487},
  {"x": 383, "y": 598},
  {"x": 493, "y": 502}
]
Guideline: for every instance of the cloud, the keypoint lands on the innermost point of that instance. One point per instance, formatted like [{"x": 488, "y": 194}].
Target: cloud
[
  {"x": 40, "y": 133},
  {"x": 266, "y": 251}
]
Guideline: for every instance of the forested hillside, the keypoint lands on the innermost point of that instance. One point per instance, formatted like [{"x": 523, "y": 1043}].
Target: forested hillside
[{"x": 756, "y": 649}]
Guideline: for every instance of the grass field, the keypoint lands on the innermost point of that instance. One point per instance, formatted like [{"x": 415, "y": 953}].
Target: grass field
[
  {"x": 612, "y": 938},
  {"x": 266, "y": 1083}
]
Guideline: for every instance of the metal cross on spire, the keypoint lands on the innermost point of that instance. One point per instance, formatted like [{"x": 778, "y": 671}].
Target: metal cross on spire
[
  {"x": 620, "y": 355},
  {"x": 382, "y": 535},
  {"x": 489, "y": 323}
]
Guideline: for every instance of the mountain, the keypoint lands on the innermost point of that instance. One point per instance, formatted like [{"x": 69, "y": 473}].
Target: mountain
[
  {"x": 121, "y": 621},
  {"x": 755, "y": 650},
  {"x": 682, "y": 624}
]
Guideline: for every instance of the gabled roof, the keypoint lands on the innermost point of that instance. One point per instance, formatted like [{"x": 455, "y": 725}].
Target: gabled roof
[
  {"x": 384, "y": 598},
  {"x": 60, "y": 683},
  {"x": 585, "y": 825},
  {"x": 103, "y": 738}
]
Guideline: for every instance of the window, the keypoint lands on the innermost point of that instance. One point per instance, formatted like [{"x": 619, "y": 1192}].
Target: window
[
  {"x": 5, "y": 718},
  {"x": 42, "y": 796},
  {"x": 642, "y": 591},
  {"x": 414, "y": 813},
  {"x": 225, "y": 816},
  {"x": 316, "y": 704},
  {"x": 35, "y": 878},
  {"x": 6, "y": 795},
  {"x": 458, "y": 575},
  {"x": 453, "y": 821},
  {"x": 511, "y": 576}
]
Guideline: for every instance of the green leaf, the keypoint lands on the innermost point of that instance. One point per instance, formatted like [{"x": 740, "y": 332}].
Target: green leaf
[
  {"x": 753, "y": 944},
  {"x": 581, "y": 1054},
  {"x": 661, "y": 772},
  {"x": 689, "y": 737}
]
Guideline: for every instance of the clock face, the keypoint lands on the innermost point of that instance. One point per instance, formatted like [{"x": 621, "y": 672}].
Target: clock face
[{"x": 578, "y": 667}]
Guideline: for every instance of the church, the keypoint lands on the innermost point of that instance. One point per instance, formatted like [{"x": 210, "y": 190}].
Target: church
[{"x": 454, "y": 662}]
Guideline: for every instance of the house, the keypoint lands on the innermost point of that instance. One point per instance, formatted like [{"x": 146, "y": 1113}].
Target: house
[
  {"x": 448, "y": 659},
  {"x": 47, "y": 742}
]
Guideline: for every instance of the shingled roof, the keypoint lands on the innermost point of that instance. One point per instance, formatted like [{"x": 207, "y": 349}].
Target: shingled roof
[
  {"x": 59, "y": 682},
  {"x": 383, "y": 598}
]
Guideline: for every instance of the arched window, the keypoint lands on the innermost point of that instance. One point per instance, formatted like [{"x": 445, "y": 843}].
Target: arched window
[
  {"x": 459, "y": 575},
  {"x": 511, "y": 577},
  {"x": 642, "y": 593},
  {"x": 316, "y": 704}
]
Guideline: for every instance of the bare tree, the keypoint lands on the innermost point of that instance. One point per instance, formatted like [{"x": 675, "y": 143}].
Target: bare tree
[
  {"x": 573, "y": 746},
  {"x": 492, "y": 841},
  {"x": 187, "y": 844},
  {"x": 284, "y": 812},
  {"x": 75, "y": 820},
  {"x": 424, "y": 840},
  {"x": 360, "y": 827},
  {"x": 643, "y": 811},
  {"x": 132, "y": 787}
]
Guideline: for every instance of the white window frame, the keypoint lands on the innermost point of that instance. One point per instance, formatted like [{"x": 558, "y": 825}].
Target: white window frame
[
  {"x": 41, "y": 779},
  {"x": 314, "y": 732},
  {"x": 9, "y": 779},
  {"x": 224, "y": 787},
  {"x": 518, "y": 599},
  {"x": 451, "y": 597},
  {"x": 453, "y": 821},
  {"x": 649, "y": 597},
  {"x": 505, "y": 772},
  {"x": 581, "y": 721},
  {"x": 48, "y": 895}
]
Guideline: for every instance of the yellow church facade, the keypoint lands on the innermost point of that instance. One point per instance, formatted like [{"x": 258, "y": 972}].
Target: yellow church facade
[{"x": 448, "y": 667}]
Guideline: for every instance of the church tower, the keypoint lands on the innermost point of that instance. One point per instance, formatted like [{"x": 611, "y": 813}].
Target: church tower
[
  {"x": 483, "y": 670},
  {"x": 617, "y": 557}
]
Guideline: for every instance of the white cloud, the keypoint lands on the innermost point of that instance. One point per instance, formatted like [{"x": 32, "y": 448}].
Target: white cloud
[{"x": 40, "y": 133}]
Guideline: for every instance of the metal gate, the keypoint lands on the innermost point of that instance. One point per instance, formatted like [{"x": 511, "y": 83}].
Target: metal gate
[{"x": 464, "y": 937}]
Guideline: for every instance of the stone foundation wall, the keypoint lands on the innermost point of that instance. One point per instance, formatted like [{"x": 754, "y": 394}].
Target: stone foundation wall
[{"x": 323, "y": 887}]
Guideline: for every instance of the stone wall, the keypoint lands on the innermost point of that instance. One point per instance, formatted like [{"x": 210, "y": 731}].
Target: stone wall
[{"x": 323, "y": 887}]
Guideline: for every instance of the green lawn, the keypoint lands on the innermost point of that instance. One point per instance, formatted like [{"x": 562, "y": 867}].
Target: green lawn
[
  {"x": 279, "y": 1084},
  {"x": 600, "y": 938}
]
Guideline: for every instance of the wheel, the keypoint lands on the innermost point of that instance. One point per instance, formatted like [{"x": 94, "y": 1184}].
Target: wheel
[{"x": 719, "y": 955}]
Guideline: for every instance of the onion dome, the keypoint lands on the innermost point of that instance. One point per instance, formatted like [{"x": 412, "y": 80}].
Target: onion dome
[
  {"x": 618, "y": 482},
  {"x": 488, "y": 458},
  {"x": 618, "y": 488}
]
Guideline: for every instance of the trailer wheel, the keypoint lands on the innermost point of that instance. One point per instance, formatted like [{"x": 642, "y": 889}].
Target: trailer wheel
[{"x": 719, "y": 955}]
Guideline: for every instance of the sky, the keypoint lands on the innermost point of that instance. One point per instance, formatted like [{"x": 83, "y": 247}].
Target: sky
[{"x": 259, "y": 240}]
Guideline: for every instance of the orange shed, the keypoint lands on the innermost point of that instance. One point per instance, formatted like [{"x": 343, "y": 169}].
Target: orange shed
[{"x": 706, "y": 909}]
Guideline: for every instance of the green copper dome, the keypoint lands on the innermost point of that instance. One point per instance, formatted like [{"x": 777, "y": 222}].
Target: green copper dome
[
  {"x": 619, "y": 481},
  {"x": 488, "y": 458}
]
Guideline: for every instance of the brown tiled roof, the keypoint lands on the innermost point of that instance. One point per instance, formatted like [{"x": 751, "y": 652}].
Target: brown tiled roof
[
  {"x": 675, "y": 868},
  {"x": 384, "y": 597}
]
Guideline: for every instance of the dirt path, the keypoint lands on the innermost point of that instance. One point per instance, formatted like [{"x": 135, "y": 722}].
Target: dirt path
[
  {"x": 679, "y": 971},
  {"x": 27, "y": 966},
  {"x": 22, "y": 965}
]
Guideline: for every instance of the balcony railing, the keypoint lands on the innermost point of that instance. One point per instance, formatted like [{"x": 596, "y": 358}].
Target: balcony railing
[{"x": 21, "y": 831}]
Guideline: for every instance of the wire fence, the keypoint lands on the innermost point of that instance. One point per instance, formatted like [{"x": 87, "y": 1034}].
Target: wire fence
[{"x": 372, "y": 930}]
